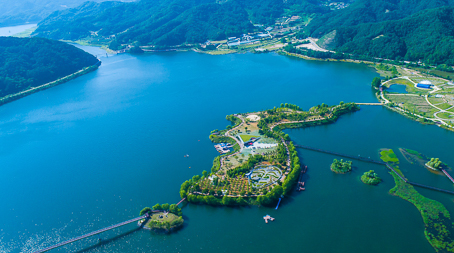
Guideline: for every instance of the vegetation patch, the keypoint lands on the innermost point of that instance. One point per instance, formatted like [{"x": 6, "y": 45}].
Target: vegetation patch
[{"x": 388, "y": 156}]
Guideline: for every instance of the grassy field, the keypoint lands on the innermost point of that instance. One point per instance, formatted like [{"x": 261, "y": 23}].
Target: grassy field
[
  {"x": 435, "y": 101},
  {"x": 415, "y": 104},
  {"x": 444, "y": 106}
]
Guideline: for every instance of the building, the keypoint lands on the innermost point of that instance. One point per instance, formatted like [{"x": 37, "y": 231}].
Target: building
[{"x": 424, "y": 84}]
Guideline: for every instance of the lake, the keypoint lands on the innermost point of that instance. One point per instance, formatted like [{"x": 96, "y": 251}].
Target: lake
[
  {"x": 96, "y": 150},
  {"x": 11, "y": 30}
]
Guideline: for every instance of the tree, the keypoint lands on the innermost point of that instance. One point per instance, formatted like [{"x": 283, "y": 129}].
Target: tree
[
  {"x": 376, "y": 82},
  {"x": 165, "y": 206},
  {"x": 157, "y": 207},
  {"x": 205, "y": 174},
  {"x": 144, "y": 211}
]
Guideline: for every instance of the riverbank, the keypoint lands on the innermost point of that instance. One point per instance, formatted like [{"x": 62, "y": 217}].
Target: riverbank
[{"x": 18, "y": 95}]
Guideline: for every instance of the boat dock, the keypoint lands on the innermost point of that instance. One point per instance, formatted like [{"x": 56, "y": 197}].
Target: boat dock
[
  {"x": 267, "y": 218},
  {"x": 300, "y": 184}
]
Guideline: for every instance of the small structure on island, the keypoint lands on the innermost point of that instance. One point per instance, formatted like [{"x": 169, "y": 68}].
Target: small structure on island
[
  {"x": 267, "y": 218},
  {"x": 426, "y": 84}
]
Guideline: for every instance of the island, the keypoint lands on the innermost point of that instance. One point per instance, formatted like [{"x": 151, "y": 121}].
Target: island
[
  {"x": 165, "y": 217},
  {"x": 258, "y": 163},
  {"x": 33, "y": 64},
  {"x": 341, "y": 167},
  {"x": 370, "y": 178}
]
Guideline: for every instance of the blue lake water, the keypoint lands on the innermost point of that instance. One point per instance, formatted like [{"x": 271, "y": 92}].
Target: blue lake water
[
  {"x": 11, "y": 30},
  {"x": 397, "y": 88},
  {"x": 96, "y": 150}
]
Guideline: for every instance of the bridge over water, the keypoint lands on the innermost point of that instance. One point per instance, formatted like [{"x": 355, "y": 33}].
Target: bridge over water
[
  {"x": 146, "y": 216},
  {"x": 364, "y": 159},
  {"x": 93, "y": 233}
]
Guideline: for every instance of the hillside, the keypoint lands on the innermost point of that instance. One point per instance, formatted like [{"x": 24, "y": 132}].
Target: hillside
[
  {"x": 31, "y": 62},
  {"x": 426, "y": 36},
  {"x": 371, "y": 11},
  {"x": 167, "y": 22},
  {"x": 393, "y": 29}
]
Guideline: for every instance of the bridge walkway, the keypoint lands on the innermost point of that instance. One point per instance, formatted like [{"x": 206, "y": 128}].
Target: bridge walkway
[{"x": 92, "y": 233}]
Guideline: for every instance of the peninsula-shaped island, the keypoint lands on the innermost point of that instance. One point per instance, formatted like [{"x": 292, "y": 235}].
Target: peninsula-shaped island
[{"x": 258, "y": 162}]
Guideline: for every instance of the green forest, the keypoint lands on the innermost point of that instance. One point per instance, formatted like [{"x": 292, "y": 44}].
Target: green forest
[
  {"x": 31, "y": 62},
  {"x": 400, "y": 30},
  {"x": 168, "y": 22},
  {"x": 391, "y": 29}
]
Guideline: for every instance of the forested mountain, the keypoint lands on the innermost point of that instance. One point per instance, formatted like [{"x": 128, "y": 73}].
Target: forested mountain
[
  {"x": 168, "y": 22},
  {"x": 14, "y": 12},
  {"x": 426, "y": 36},
  {"x": 30, "y": 62},
  {"x": 394, "y": 29},
  {"x": 371, "y": 11}
]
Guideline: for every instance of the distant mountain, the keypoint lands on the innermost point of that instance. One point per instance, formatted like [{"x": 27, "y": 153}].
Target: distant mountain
[
  {"x": 394, "y": 29},
  {"x": 31, "y": 62},
  {"x": 168, "y": 22},
  {"x": 13, "y": 12}
]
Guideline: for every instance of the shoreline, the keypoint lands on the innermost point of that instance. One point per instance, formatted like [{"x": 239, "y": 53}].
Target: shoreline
[
  {"x": 282, "y": 52},
  {"x": 15, "y": 96}
]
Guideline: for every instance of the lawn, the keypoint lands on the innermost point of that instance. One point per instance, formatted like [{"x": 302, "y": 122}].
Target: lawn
[{"x": 246, "y": 138}]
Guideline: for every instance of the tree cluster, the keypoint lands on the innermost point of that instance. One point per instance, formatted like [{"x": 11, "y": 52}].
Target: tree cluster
[
  {"x": 339, "y": 166},
  {"x": 173, "y": 208},
  {"x": 434, "y": 163},
  {"x": 371, "y": 178}
]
